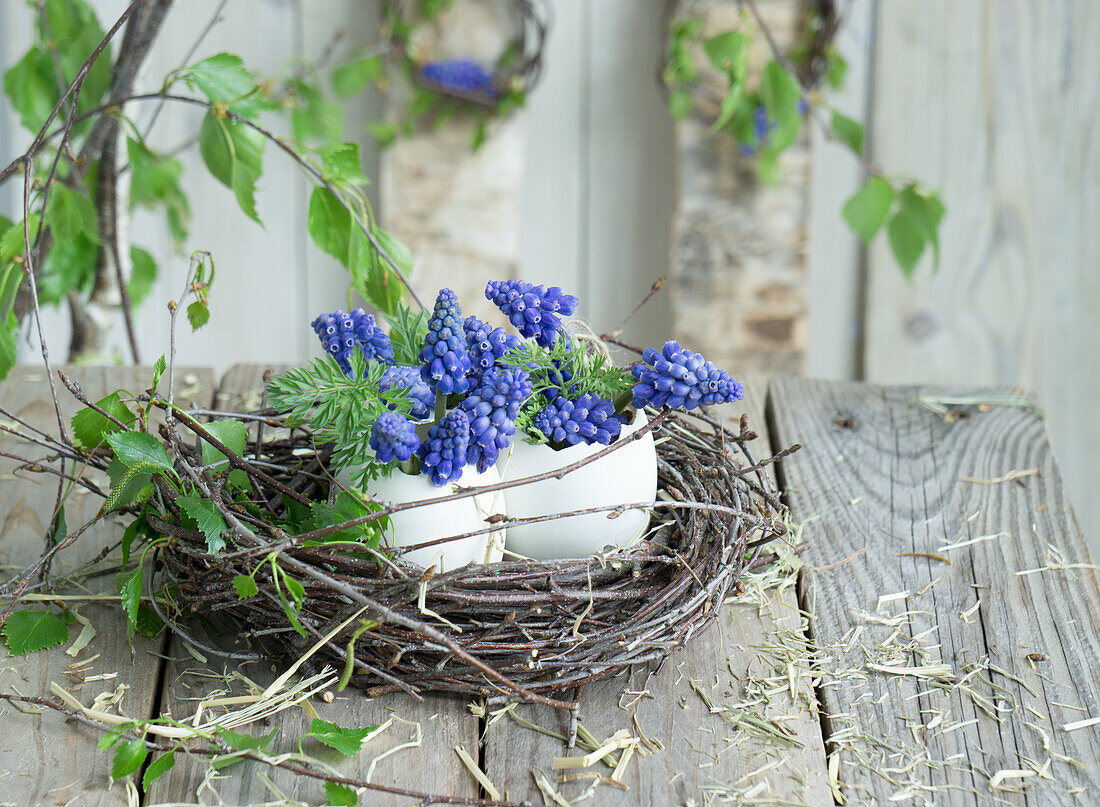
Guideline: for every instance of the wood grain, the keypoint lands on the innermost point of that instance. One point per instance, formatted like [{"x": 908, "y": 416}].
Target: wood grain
[
  {"x": 704, "y": 756},
  {"x": 441, "y": 722},
  {"x": 44, "y": 760},
  {"x": 1007, "y": 659},
  {"x": 993, "y": 104}
]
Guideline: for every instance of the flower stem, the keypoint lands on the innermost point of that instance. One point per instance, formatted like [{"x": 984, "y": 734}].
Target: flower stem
[{"x": 440, "y": 406}]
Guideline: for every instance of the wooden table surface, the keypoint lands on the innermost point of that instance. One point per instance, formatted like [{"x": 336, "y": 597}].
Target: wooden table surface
[{"x": 938, "y": 646}]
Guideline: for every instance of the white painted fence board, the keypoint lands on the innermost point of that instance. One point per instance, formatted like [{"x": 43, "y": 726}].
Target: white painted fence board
[
  {"x": 630, "y": 174},
  {"x": 833, "y": 253},
  {"x": 995, "y": 105}
]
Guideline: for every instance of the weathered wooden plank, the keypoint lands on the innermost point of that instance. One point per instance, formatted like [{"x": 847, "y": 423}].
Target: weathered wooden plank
[
  {"x": 704, "y": 757},
  {"x": 441, "y": 722},
  {"x": 42, "y": 759},
  {"x": 833, "y": 252},
  {"x": 629, "y": 171},
  {"x": 965, "y": 94},
  {"x": 941, "y": 665}
]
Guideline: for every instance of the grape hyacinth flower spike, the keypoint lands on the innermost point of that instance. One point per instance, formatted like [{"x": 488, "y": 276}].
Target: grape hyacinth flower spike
[
  {"x": 393, "y": 437},
  {"x": 682, "y": 379},
  {"x": 492, "y": 409},
  {"x": 445, "y": 356},
  {"x": 420, "y": 395},
  {"x": 460, "y": 75},
  {"x": 589, "y": 419},
  {"x": 533, "y": 310},
  {"x": 443, "y": 452},
  {"x": 486, "y": 344},
  {"x": 340, "y": 333}
]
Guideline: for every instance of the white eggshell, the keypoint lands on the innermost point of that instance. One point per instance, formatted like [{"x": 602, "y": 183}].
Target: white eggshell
[
  {"x": 429, "y": 522},
  {"x": 625, "y": 476}
]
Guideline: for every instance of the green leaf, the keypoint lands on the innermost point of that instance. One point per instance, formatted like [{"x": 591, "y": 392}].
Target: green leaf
[
  {"x": 345, "y": 507},
  {"x": 143, "y": 277},
  {"x": 9, "y": 350},
  {"x": 848, "y": 132},
  {"x": 680, "y": 104},
  {"x": 907, "y": 240},
  {"x": 246, "y": 586},
  {"x": 351, "y": 78},
  {"x": 341, "y": 163},
  {"x": 866, "y": 210},
  {"x": 13, "y": 243},
  {"x": 727, "y": 51},
  {"x": 71, "y": 213},
  {"x": 385, "y": 290},
  {"x": 836, "y": 70},
  {"x": 128, "y": 585},
  {"x": 224, "y": 80},
  {"x": 780, "y": 94},
  {"x": 382, "y": 131},
  {"x": 129, "y": 756},
  {"x": 926, "y": 209},
  {"x": 71, "y": 28},
  {"x": 28, "y": 630},
  {"x": 69, "y": 265},
  {"x": 155, "y": 183},
  {"x": 233, "y": 434},
  {"x": 159, "y": 366},
  {"x": 148, "y": 623},
  {"x": 246, "y": 742},
  {"x": 233, "y": 152},
  {"x": 32, "y": 88},
  {"x": 347, "y": 741},
  {"x": 340, "y": 795},
  {"x": 329, "y": 223},
  {"x": 312, "y": 117},
  {"x": 157, "y": 768},
  {"x": 132, "y": 448},
  {"x": 209, "y": 520},
  {"x": 198, "y": 314},
  {"x": 370, "y": 275},
  {"x": 90, "y": 428}
]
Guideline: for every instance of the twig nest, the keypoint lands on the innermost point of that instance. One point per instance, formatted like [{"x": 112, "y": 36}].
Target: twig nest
[
  {"x": 627, "y": 475},
  {"x": 422, "y": 525}
]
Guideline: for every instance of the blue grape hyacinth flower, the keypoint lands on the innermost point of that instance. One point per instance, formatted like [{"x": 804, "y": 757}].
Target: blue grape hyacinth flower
[
  {"x": 445, "y": 356},
  {"x": 461, "y": 75},
  {"x": 532, "y": 310},
  {"x": 393, "y": 437},
  {"x": 486, "y": 344},
  {"x": 420, "y": 395},
  {"x": 588, "y": 419},
  {"x": 341, "y": 332},
  {"x": 492, "y": 409},
  {"x": 681, "y": 379},
  {"x": 443, "y": 452}
]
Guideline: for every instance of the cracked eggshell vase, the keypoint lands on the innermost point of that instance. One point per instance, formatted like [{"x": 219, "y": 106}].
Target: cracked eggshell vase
[
  {"x": 434, "y": 521},
  {"x": 626, "y": 475}
]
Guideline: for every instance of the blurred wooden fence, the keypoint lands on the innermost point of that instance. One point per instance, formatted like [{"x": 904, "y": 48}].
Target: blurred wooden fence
[{"x": 994, "y": 104}]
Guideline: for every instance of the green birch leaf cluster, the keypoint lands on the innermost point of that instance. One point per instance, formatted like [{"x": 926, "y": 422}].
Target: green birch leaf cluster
[{"x": 765, "y": 114}]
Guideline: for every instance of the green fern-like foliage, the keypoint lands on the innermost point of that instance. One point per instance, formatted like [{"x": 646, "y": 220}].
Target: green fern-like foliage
[
  {"x": 340, "y": 409},
  {"x": 407, "y": 332},
  {"x": 570, "y": 369}
]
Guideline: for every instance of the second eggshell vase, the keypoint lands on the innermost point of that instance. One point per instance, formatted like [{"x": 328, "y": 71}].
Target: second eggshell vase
[
  {"x": 431, "y": 522},
  {"x": 626, "y": 475}
]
